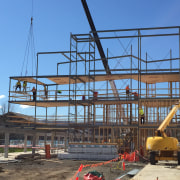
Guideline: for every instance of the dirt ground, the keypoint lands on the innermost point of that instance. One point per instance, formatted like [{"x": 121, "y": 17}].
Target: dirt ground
[{"x": 42, "y": 169}]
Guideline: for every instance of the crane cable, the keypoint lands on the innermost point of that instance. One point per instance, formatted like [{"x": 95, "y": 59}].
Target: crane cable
[{"x": 30, "y": 50}]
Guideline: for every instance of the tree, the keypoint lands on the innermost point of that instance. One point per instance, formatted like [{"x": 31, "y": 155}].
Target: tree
[{"x": 4, "y": 108}]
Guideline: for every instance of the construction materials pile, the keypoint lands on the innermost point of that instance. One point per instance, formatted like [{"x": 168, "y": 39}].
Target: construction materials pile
[{"x": 91, "y": 151}]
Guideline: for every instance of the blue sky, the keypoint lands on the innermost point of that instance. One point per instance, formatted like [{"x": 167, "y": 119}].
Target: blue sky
[{"x": 54, "y": 20}]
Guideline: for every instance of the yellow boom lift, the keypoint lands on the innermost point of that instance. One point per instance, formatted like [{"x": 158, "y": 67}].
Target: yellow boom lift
[{"x": 162, "y": 147}]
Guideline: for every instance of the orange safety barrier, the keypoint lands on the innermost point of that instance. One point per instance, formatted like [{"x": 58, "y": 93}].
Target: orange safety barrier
[
  {"x": 132, "y": 157},
  {"x": 79, "y": 170},
  {"x": 76, "y": 175}
]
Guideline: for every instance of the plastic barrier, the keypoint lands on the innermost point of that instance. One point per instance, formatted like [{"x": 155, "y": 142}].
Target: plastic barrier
[
  {"x": 76, "y": 175},
  {"x": 132, "y": 157},
  {"x": 80, "y": 169}
]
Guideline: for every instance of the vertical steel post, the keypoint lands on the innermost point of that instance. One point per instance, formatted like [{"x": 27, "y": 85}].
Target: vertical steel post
[
  {"x": 76, "y": 84},
  {"x": 34, "y": 144},
  {"x": 52, "y": 142},
  {"x": 179, "y": 61},
  {"x": 140, "y": 64},
  {"x": 138, "y": 87},
  {"x": 36, "y": 88},
  {"x": 146, "y": 90},
  {"x": 56, "y": 94},
  {"x": 170, "y": 71},
  {"x": 146, "y": 74},
  {"x": 9, "y": 94},
  {"x": 131, "y": 89},
  {"x": 131, "y": 70},
  {"x": 6, "y": 148},
  {"x": 69, "y": 107},
  {"x": 25, "y": 142},
  {"x": 170, "y": 59},
  {"x": 85, "y": 106},
  {"x": 94, "y": 88},
  {"x": 45, "y": 135},
  {"x": 107, "y": 82}
]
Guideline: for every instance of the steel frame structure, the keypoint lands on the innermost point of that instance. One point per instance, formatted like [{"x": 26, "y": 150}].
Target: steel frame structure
[{"x": 105, "y": 118}]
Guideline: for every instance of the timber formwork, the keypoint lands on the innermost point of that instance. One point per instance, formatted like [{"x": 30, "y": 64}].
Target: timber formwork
[{"x": 87, "y": 106}]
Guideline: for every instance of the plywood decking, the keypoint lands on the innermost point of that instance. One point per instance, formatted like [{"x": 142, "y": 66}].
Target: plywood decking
[
  {"x": 144, "y": 102},
  {"x": 145, "y": 78}
]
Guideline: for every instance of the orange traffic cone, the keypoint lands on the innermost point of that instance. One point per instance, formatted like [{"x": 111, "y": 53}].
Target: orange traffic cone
[{"x": 123, "y": 165}]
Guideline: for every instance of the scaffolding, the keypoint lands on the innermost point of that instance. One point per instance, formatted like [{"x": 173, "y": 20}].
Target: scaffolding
[{"x": 85, "y": 103}]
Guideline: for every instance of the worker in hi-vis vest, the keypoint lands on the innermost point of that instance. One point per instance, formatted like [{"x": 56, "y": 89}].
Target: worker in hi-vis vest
[
  {"x": 24, "y": 86},
  {"x": 141, "y": 113},
  {"x": 18, "y": 85}
]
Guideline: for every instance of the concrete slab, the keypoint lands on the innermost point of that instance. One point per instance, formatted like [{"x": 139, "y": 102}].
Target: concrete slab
[
  {"x": 11, "y": 156},
  {"x": 161, "y": 171}
]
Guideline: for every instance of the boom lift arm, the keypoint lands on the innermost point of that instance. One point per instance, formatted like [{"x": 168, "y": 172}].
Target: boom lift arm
[
  {"x": 167, "y": 120},
  {"x": 161, "y": 147}
]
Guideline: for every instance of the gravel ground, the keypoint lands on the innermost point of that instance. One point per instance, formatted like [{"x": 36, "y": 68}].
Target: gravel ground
[{"x": 42, "y": 169}]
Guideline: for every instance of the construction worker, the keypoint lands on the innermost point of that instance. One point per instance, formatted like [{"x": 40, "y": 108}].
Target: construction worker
[
  {"x": 18, "y": 85},
  {"x": 24, "y": 86},
  {"x": 127, "y": 90},
  {"x": 141, "y": 113},
  {"x": 34, "y": 93},
  {"x": 135, "y": 95}
]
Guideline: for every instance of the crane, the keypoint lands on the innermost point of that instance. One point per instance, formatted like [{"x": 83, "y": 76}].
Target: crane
[
  {"x": 162, "y": 147},
  {"x": 99, "y": 46}
]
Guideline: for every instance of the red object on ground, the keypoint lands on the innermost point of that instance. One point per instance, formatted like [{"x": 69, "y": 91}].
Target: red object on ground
[
  {"x": 93, "y": 176},
  {"x": 47, "y": 150}
]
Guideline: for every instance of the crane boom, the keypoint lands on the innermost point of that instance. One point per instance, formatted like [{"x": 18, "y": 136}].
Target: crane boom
[
  {"x": 96, "y": 37},
  {"x": 99, "y": 46}
]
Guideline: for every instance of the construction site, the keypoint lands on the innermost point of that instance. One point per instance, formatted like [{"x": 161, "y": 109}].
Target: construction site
[
  {"x": 95, "y": 105},
  {"x": 89, "y": 96},
  {"x": 106, "y": 93}
]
